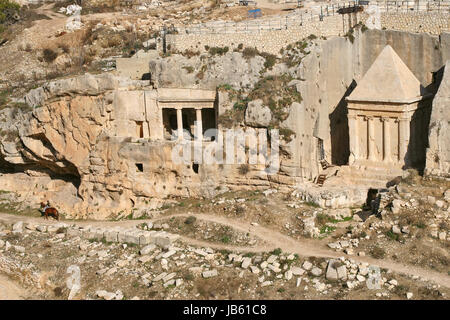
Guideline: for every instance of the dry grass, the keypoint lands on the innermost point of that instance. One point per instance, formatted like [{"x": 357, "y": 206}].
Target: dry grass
[{"x": 49, "y": 55}]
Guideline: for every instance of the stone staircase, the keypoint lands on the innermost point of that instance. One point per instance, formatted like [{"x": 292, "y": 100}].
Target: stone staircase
[{"x": 373, "y": 177}]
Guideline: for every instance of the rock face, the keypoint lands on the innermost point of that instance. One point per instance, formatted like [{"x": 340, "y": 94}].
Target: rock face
[
  {"x": 96, "y": 145},
  {"x": 322, "y": 115},
  {"x": 257, "y": 115},
  {"x": 180, "y": 71},
  {"x": 438, "y": 152}
]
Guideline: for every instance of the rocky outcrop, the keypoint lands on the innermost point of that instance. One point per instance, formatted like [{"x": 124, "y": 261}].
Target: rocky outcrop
[
  {"x": 206, "y": 72},
  {"x": 79, "y": 148},
  {"x": 438, "y": 152},
  {"x": 54, "y": 150},
  {"x": 257, "y": 115}
]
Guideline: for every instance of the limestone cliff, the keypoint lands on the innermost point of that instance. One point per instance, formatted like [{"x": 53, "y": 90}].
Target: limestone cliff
[
  {"x": 438, "y": 152},
  {"x": 83, "y": 144}
]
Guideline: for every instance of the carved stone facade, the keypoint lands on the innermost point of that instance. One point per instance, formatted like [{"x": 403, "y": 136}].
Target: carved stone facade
[{"x": 388, "y": 115}]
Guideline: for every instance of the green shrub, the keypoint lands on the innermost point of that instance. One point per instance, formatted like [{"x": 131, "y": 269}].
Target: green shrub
[
  {"x": 270, "y": 60},
  {"x": 225, "y": 87},
  {"x": 350, "y": 35},
  {"x": 218, "y": 50},
  {"x": 5, "y": 6},
  {"x": 249, "y": 52},
  {"x": 276, "y": 252},
  {"x": 393, "y": 236},
  {"x": 189, "y": 69},
  {"x": 226, "y": 239}
]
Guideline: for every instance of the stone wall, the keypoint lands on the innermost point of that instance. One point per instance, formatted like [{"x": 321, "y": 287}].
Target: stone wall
[
  {"x": 416, "y": 22},
  {"x": 273, "y": 41},
  {"x": 267, "y": 41}
]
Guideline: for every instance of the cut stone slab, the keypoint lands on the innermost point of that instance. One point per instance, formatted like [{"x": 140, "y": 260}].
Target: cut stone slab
[
  {"x": 246, "y": 263},
  {"x": 209, "y": 273},
  {"x": 147, "y": 249},
  {"x": 297, "y": 271},
  {"x": 307, "y": 265}
]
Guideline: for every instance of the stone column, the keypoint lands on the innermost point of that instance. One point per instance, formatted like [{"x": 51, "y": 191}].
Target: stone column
[
  {"x": 370, "y": 139},
  {"x": 180, "y": 123},
  {"x": 199, "y": 127},
  {"x": 353, "y": 137},
  {"x": 403, "y": 138},
  {"x": 386, "y": 139}
]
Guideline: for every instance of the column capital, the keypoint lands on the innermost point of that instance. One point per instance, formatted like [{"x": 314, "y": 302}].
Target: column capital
[{"x": 404, "y": 118}]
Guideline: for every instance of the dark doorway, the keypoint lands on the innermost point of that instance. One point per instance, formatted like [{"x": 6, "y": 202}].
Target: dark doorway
[
  {"x": 170, "y": 122},
  {"x": 140, "y": 129}
]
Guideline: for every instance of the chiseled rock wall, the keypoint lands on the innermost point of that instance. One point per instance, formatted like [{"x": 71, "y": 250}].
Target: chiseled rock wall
[
  {"x": 79, "y": 148},
  {"x": 438, "y": 152},
  {"x": 331, "y": 72}
]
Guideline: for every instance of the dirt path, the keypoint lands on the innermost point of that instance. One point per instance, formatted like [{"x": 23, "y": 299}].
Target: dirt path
[
  {"x": 9, "y": 290},
  {"x": 274, "y": 239},
  {"x": 47, "y": 10}
]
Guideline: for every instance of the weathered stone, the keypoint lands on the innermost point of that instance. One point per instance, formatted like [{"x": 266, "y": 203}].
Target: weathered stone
[
  {"x": 210, "y": 273},
  {"x": 440, "y": 204},
  {"x": 257, "y": 115},
  {"x": 246, "y": 263},
  {"x": 438, "y": 152},
  {"x": 254, "y": 269},
  {"x": 18, "y": 227},
  {"x": 41, "y": 228},
  {"x": 297, "y": 271},
  {"x": 144, "y": 259},
  {"x": 316, "y": 271},
  {"x": 288, "y": 275},
  {"x": 111, "y": 236},
  {"x": 272, "y": 259},
  {"x": 360, "y": 278},
  {"x": 396, "y": 229},
  {"x": 307, "y": 265},
  {"x": 105, "y": 295},
  {"x": 19, "y": 249}
]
